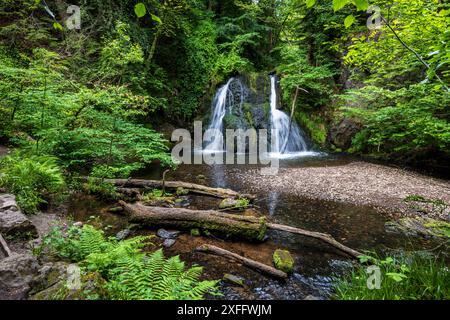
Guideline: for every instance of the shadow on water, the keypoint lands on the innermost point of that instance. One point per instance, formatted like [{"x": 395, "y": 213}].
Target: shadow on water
[{"x": 317, "y": 264}]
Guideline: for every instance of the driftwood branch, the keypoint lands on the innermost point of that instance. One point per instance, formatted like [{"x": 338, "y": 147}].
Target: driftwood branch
[
  {"x": 173, "y": 185},
  {"x": 229, "y": 225},
  {"x": 4, "y": 246},
  {"x": 317, "y": 235},
  {"x": 255, "y": 265}
]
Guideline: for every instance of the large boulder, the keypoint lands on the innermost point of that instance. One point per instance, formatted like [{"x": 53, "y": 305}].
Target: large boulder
[
  {"x": 342, "y": 134},
  {"x": 16, "y": 273},
  {"x": 13, "y": 223}
]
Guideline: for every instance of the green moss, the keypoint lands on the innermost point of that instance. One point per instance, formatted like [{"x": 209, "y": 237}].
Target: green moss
[
  {"x": 282, "y": 259},
  {"x": 195, "y": 232},
  {"x": 314, "y": 125},
  {"x": 439, "y": 228},
  {"x": 182, "y": 192}
]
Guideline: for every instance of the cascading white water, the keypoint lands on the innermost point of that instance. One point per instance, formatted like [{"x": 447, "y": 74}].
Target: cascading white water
[
  {"x": 287, "y": 140},
  {"x": 219, "y": 109}
]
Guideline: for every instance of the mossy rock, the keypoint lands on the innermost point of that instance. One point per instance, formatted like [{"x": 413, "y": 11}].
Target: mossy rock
[
  {"x": 195, "y": 233},
  {"x": 234, "y": 204},
  {"x": 92, "y": 288},
  {"x": 182, "y": 191},
  {"x": 234, "y": 280},
  {"x": 420, "y": 226},
  {"x": 283, "y": 260}
]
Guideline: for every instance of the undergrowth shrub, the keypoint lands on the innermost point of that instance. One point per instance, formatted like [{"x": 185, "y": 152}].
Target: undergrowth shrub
[
  {"x": 417, "y": 276},
  {"x": 33, "y": 179},
  {"x": 130, "y": 273}
]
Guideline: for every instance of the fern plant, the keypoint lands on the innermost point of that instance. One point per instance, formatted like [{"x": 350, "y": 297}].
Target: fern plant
[
  {"x": 130, "y": 273},
  {"x": 33, "y": 179}
]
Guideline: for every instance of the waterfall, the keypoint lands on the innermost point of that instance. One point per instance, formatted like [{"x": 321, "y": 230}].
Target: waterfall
[
  {"x": 219, "y": 109},
  {"x": 287, "y": 140}
]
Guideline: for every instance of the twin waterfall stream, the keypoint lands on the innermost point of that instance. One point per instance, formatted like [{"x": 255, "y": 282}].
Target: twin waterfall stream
[{"x": 288, "y": 140}]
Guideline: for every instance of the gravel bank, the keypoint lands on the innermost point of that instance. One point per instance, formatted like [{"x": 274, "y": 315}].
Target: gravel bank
[{"x": 360, "y": 183}]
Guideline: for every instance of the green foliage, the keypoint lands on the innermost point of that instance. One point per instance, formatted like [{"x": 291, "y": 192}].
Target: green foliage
[
  {"x": 130, "y": 273},
  {"x": 403, "y": 123},
  {"x": 404, "y": 277},
  {"x": 33, "y": 179},
  {"x": 84, "y": 127}
]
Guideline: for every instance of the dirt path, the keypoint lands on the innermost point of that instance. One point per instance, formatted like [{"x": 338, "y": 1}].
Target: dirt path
[{"x": 382, "y": 187}]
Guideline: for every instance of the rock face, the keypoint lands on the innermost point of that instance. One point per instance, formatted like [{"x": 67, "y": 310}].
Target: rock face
[
  {"x": 16, "y": 274},
  {"x": 282, "y": 259},
  {"x": 13, "y": 223},
  {"x": 341, "y": 135}
]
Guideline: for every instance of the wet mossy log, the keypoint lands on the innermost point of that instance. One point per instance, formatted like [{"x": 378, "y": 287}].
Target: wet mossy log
[
  {"x": 255, "y": 265},
  {"x": 228, "y": 225},
  {"x": 174, "y": 185}
]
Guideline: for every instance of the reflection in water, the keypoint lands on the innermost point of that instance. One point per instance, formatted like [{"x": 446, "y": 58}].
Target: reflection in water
[
  {"x": 272, "y": 202},
  {"x": 218, "y": 176}
]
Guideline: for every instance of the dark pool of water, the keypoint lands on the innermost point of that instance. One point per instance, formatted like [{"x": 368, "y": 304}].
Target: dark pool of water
[{"x": 317, "y": 264}]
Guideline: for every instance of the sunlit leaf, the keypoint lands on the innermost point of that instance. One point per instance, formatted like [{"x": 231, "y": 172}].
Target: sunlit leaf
[
  {"x": 362, "y": 4},
  {"x": 156, "y": 18},
  {"x": 339, "y": 4},
  {"x": 57, "y": 26},
  {"x": 349, "y": 20},
  {"x": 310, "y": 3},
  {"x": 140, "y": 10}
]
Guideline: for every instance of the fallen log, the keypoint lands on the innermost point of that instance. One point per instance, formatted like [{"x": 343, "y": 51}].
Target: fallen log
[
  {"x": 4, "y": 246},
  {"x": 235, "y": 226},
  {"x": 228, "y": 225},
  {"x": 173, "y": 185},
  {"x": 317, "y": 235},
  {"x": 255, "y": 265}
]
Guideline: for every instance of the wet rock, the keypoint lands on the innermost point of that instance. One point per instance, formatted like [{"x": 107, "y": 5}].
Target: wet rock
[
  {"x": 13, "y": 223},
  {"x": 16, "y": 274},
  {"x": 164, "y": 234},
  {"x": 232, "y": 279},
  {"x": 168, "y": 243},
  {"x": 282, "y": 259},
  {"x": 182, "y": 202},
  {"x": 341, "y": 135},
  {"x": 311, "y": 298},
  {"x": 201, "y": 177},
  {"x": 122, "y": 235},
  {"x": 78, "y": 224}
]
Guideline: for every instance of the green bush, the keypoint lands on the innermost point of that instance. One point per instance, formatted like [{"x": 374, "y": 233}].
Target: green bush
[
  {"x": 130, "y": 273},
  {"x": 404, "y": 277},
  {"x": 33, "y": 179}
]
